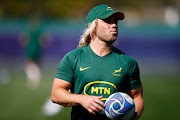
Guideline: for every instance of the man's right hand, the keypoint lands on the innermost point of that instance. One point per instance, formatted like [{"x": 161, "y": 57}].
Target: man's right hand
[{"x": 92, "y": 103}]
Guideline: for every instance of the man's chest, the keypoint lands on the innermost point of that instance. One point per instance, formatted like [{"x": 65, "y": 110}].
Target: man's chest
[{"x": 100, "y": 76}]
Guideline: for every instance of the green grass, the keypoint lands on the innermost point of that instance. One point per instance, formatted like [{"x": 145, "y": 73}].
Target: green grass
[
  {"x": 17, "y": 102},
  {"x": 161, "y": 95}
]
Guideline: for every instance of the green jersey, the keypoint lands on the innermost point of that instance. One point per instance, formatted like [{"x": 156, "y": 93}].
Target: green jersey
[
  {"x": 33, "y": 48},
  {"x": 91, "y": 74}
]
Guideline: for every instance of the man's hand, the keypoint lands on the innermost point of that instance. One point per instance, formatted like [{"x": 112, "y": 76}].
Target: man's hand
[{"x": 92, "y": 103}]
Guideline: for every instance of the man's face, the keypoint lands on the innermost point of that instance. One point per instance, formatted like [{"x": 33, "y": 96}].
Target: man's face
[{"x": 107, "y": 29}]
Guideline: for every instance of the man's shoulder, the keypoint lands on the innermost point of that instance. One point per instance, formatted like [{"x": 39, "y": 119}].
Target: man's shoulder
[{"x": 77, "y": 52}]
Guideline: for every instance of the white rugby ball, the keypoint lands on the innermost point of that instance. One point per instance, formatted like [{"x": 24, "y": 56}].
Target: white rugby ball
[{"x": 119, "y": 106}]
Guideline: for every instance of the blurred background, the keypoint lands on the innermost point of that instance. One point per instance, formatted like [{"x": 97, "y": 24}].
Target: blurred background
[{"x": 150, "y": 33}]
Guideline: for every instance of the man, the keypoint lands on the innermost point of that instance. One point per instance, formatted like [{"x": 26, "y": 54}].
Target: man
[
  {"x": 33, "y": 41},
  {"x": 97, "y": 69}
]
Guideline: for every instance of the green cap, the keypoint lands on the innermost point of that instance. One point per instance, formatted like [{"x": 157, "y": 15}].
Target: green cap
[{"x": 102, "y": 12}]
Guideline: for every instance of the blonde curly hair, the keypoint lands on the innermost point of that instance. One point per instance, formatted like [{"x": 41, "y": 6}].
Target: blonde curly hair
[{"x": 86, "y": 36}]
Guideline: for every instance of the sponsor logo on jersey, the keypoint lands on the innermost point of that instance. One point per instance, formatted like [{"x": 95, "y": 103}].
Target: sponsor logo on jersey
[
  {"x": 82, "y": 69},
  {"x": 117, "y": 72},
  {"x": 98, "y": 88}
]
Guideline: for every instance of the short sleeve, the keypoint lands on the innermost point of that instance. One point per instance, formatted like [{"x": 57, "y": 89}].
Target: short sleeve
[
  {"x": 134, "y": 75},
  {"x": 65, "y": 69}
]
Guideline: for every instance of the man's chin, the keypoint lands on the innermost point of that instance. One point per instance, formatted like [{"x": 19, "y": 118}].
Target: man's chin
[{"x": 111, "y": 41}]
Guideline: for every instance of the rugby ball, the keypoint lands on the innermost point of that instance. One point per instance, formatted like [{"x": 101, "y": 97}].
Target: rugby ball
[{"x": 119, "y": 106}]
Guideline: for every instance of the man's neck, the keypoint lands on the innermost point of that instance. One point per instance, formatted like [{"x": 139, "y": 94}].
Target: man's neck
[{"x": 101, "y": 48}]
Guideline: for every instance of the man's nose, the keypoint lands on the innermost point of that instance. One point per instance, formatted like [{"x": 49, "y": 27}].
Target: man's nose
[{"x": 114, "y": 25}]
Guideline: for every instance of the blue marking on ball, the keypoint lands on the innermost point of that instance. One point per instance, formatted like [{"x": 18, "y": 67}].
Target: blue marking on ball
[{"x": 116, "y": 106}]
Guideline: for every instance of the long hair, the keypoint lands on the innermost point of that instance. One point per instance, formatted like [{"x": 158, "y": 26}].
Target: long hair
[{"x": 87, "y": 35}]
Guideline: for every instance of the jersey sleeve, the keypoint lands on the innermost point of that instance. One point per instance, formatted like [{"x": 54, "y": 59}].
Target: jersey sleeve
[
  {"x": 134, "y": 75},
  {"x": 65, "y": 69}
]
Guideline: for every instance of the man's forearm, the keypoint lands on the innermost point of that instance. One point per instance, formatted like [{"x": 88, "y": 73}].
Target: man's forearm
[
  {"x": 139, "y": 105},
  {"x": 64, "y": 97}
]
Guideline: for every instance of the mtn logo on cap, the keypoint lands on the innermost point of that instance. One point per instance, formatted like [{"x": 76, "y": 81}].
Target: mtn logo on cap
[{"x": 109, "y": 8}]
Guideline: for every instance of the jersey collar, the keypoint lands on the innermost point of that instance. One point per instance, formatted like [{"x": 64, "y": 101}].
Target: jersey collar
[{"x": 94, "y": 54}]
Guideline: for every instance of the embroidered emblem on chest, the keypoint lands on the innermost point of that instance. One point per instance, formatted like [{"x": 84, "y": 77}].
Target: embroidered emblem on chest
[{"x": 117, "y": 72}]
